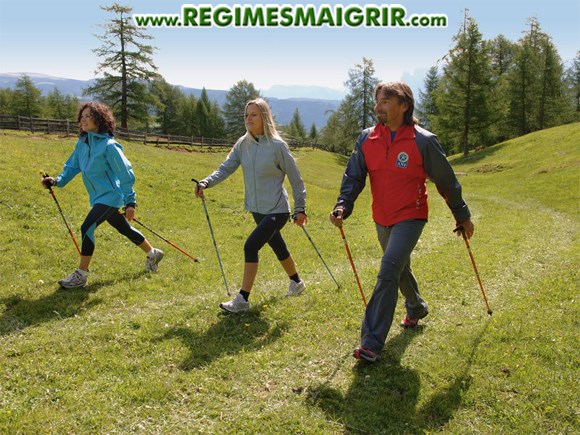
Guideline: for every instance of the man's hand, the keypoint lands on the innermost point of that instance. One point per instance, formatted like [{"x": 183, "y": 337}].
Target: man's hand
[
  {"x": 336, "y": 216},
  {"x": 466, "y": 227}
]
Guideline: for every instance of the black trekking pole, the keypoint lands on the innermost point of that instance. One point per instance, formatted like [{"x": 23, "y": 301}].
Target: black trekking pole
[
  {"x": 316, "y": 249},
  {"x": 213, "y": 238},
  {"x": 44, "y": 174},
  {"x": 163, "y": 238},
  {"x": 460, "y": 228}
]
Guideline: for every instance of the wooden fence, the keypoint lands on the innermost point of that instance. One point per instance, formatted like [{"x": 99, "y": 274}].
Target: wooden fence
[{"x": 70, "y": 127}]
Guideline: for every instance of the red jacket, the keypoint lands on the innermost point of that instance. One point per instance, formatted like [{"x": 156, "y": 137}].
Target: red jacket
[{"x": 397, "y": 171}]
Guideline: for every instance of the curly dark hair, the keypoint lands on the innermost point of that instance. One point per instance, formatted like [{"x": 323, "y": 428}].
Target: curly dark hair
[{"x": 102, "y": 115}]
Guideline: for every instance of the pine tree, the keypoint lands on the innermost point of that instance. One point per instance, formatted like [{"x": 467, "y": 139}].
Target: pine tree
[
  {"x": 216, "y": 122},
  {"x": 502, "y": 53},
  {"x": 341, "y": 129},
  {"x": 464, "y": 91},
  {"x": 295, "y": 129},
  {"x": 170, "y": 99},
  {"x": 236, "y": 99},
  {"x": 59, "y": 106},
  {"x": 361, "y": 85},
  {"x": 187, "y": 117},
  {"x": 313, "y": 134},
  {"x": 202, "y": 109},
  {"x": 426, "y": 107},
  {"x": 27, "y": 98},
  {"x": 6, "y": 97},
  {"x": 535, "y": 82},
  {"x": 551, "y": 96},
  {"x": 572, "y": 81},
  {"x": 127, "y": 66}
]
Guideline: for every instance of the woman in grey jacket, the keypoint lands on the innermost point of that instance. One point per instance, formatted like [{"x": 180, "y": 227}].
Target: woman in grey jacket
[{"x": 265, "y": 160}]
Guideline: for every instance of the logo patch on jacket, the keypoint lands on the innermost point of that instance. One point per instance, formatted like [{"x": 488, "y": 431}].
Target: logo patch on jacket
[{"x": 402, "y": 160}]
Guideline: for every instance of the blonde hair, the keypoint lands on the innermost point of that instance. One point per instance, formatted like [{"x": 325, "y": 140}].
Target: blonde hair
[{"x": 270, "y": 131}]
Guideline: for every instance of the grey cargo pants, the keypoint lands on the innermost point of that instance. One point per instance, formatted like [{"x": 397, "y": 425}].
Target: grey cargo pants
[{"x": 397, "y": 243}]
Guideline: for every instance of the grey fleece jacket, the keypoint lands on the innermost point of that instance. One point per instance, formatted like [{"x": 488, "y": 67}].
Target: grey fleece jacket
[{"x": 265, "y": 163}]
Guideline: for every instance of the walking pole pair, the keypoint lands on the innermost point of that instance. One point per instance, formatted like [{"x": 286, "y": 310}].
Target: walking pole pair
[
  {"x": 213, "y": 238},
  {"x": 45, "y": 175},
  {"x": 162, "y": 238},
  {"x": 362, "y": 294},
  {"x": 462, "y": 230}
]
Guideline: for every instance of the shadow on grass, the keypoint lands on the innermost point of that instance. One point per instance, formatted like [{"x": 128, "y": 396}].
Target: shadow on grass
[
  {"x": 21, "y": 313},
  {"x": 383, "y": 397},
  {"x": 476, "y": 156},
  {"x": 440, "y": 408},
  {"x": 231, "y": 334},
  {"x": 342, "y": 159}
]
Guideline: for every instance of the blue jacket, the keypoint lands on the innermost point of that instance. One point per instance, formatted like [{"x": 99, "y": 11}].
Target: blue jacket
[{"x": 106, "y": 172}]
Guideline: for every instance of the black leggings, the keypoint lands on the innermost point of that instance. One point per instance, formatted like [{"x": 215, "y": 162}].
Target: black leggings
[
  {"x": 99, "y": 214},
  {"x": 267, "y": 231}
]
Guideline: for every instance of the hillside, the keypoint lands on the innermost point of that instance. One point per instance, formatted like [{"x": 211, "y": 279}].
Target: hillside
[
  {"x": 137, "y": 353},
  {"x": 312, "y": 110}
]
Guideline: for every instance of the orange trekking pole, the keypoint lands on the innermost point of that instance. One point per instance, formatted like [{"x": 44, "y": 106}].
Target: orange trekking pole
[
  {"x": 362, "y": 294},
  {"x": 474, "y": 266},
  {"x": 161, "y": 237}
]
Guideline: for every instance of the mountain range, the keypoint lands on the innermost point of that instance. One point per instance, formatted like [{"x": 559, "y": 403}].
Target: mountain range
[{"x": 284, "y": 100}]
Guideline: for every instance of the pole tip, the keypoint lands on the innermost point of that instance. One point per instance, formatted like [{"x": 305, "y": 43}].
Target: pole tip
[{"x": 489, "y": 312}]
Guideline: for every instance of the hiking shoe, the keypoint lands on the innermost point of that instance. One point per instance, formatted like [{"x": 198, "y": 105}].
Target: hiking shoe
[
  {"x": 236, "y": 305},
  {"x": 411, "y": 322},
  {"x": 366, "y": 354},
  {"x": 75, "y": 279},
  {"x": 152, "y": 263},
  {"x": 295, "y": 288}
]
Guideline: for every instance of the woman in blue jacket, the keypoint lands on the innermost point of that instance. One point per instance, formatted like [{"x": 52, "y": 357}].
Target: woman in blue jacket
[
  {"x": 266, "y": 161},
  {"x": 109, "y": 179}
]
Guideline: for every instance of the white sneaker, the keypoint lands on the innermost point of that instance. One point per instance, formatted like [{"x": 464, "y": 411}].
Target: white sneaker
[
  {"x": 236, "y": 305},
  {"x": 152, "y": 263},
  {"x": 295, "y": 288},
  {"x": 74, "y": 280}
]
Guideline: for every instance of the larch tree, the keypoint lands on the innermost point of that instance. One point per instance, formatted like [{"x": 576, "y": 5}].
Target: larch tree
[
  {"x": 361, "y": 85},
  {"x": 127, "y": 66},
  {"x": 464, "y": 90},
  {"x": 27, "y": 98}
]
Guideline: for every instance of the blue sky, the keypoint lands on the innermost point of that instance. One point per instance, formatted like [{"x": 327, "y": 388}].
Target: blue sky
[{"x": 56, "y": 38}]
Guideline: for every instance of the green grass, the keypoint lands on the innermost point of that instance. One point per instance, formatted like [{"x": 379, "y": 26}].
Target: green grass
[{"x": 138, "y": 353}]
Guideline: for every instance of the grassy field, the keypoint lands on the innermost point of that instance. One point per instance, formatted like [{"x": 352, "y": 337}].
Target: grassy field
[{"x": 152, "y": 353}]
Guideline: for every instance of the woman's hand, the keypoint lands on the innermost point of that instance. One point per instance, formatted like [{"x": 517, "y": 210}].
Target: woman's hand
[
  {"x": 199, "y": 188},
  {"x": 48, "y": 182},
  {"x": 300, "y": 219},
  {"x": 129, "y": 212}
]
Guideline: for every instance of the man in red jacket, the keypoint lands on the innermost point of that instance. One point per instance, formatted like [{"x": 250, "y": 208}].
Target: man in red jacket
[{"x": 398, "y": 156}]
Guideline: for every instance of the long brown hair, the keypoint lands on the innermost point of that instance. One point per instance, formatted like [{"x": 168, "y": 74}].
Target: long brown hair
[
  {"x": 404, "y": 93},
  {"x": 102, "y": 115}
]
